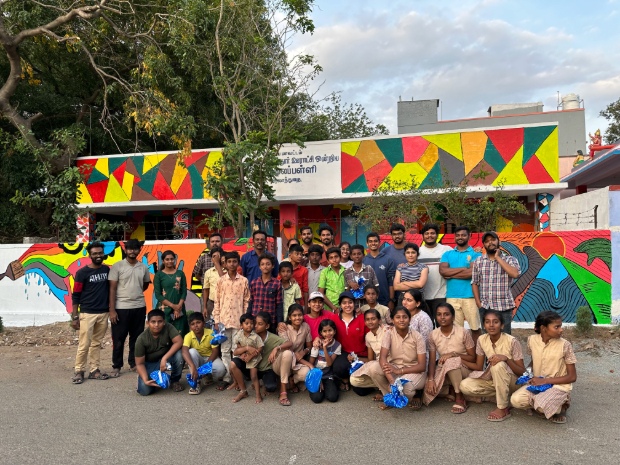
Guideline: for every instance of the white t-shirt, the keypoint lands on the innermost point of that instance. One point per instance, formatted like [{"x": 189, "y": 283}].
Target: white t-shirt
[{"x": 435, "y": 285}]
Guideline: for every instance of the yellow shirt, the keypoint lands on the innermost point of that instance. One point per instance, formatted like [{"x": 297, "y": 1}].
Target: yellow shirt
[
  {"x": 549, "y": 360},
  {"x": 203, "y": 346},
  {"x": 210, "y": 280}
]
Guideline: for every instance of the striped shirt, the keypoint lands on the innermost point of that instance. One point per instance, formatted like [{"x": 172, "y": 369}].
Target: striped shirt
[
  {"x": 493, "y": 282},
  {"x": 410, "y": 273}
]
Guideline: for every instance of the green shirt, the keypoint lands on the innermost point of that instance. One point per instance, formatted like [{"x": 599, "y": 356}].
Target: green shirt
[
  {"x": 333, "y": 283},
  {"x": 271, "y": 342},
  {"x": 154, "y": 348}
]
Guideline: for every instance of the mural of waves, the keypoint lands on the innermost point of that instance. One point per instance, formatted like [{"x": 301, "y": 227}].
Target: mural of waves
[{"x": 542, "y": 295}]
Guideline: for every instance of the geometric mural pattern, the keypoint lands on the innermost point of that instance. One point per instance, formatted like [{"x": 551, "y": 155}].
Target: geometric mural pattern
[{"x": 512, "y": 156}]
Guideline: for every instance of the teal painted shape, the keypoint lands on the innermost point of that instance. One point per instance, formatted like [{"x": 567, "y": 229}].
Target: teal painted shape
[
  {"x": 138, "y": 162},
  {"x": 359, "y": 185},
  {"x": 532, "y": 140},
  {"x": 493, "y": 158},
  {"x": 392, "y": 150},
  {"x": 96, "y": 176},
  {"x": 147, "y": 181},
  {"x": 434, "y": 178},
  {"x": 197, "y": 183},
  {"x": 114, "y": 163}
]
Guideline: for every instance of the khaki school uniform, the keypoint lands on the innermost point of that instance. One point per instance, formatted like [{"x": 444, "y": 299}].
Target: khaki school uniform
[
  {"x": 383, "y": 311},
  {"x": 298, "y": 338},
  {"x": 361, "y": 377},
  {"x": 548, "y": 361},
  {"x": 497, "y": 379}
]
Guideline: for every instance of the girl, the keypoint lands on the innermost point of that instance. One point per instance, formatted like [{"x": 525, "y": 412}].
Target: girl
[
  {"x": 345, "y": 254},
  {"x": 411, "y": 275},
  {"x": 504, "y": 364},
  {"x": 324, "y": 351},
  {"x": 553, "y": 362},
  {"x": 403, "y": 355},
  {"x": 420, "y": 321},
  {"x": 453, "y": 344},
  {"x": 170, "y": 291},
  {"x": 297, "y": 332},
  {"x": 317, "y": 314},
  {"x": 360, "y": 379}
]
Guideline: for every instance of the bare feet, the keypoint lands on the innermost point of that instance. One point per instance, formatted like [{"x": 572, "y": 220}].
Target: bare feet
[
  {"x": 234, "y": 386},
  {"x": 242, "y": 395},
  {"x": 259, "y": 398}
]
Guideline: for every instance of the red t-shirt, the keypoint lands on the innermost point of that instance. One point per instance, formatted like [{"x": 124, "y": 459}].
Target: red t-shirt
[
  {"x": 300, "y": 275},
  {"x": 315, "y": 322},
  {"x": 353, "y": 337}
]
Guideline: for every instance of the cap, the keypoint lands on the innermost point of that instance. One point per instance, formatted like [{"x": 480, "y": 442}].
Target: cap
[
  {"x": 490, "y": 233},
  {"x": 316, "y": 295},
  {"x": 345, "y": 295}
]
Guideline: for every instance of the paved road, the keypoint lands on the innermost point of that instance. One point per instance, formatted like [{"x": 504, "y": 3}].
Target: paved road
[{"x": 46, "y": 420}]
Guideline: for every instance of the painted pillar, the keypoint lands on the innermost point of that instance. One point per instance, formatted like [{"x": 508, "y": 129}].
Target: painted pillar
[
  {"x": 289, "y": 219},
  {"x": 542, "y": 205},
  {"x": 181, "y": 218},
  {"x": 86, "y": 227}
]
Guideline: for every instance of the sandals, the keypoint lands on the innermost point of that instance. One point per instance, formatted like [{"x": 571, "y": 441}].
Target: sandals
[
  {"x": 459, "y": 407},
  {"x": 377, "y": 398},
  {"x": 493, "y": 416},
  {"x": 177, "y": 387},
  {"x": 558, "y": 419},
  {"x": 98, "y": 375},
  {"x": 345, "y": 387},
  {"x": 415, "y": 404},
  {"x": 284, "y": 400},
  {"x": 222, "y": 386},
  {"x": 78, "y": 377},
  {"x": 194, "y": 391},
  {"x": 115, "y": 373}
]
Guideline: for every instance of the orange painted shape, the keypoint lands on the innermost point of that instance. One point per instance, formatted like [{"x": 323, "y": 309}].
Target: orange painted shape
[
  {"x": 430, "y": 157},
  {"x": 473, "y": 145},
  {"x": 369, "y": 154}
]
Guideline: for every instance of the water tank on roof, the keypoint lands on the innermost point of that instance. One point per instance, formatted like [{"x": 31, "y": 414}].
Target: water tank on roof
[{"x": 570, "y": 102}]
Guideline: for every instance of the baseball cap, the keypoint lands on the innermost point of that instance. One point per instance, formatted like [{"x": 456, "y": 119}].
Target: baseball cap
[
  {"x": 490, "y": 233},
  {"x": 345, "y": 295},
  {"x": 316, "y": 295}
]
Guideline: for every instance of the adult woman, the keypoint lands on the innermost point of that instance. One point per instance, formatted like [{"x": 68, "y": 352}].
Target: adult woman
[
  {"x": 403, "y": 355},
  {"x": 420, "y": 321},
  {"x": 170, "y": 291},
  {"x": 453, "y": 344},
  {"x": 360, "y": 380},
  {"x": 412, "y": 274},
  {"x": 345, "y": 254}
]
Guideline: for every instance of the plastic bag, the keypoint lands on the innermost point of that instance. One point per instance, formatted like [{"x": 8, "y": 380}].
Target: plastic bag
[
  {"x": 193, "y": 384},
  {"x": 313, "y": 380},
  {"x": 396, "y": 398},
  {"x": 219, "y": 336},
  {"x": 359, "y": 292},
  {"x": 525, "y": 377},
  {"x": 161, "y": 378},
  {"x": 539, "y": 389},
  {"x": 356, "y": 364},
  {"x": 205, "y": 369}
]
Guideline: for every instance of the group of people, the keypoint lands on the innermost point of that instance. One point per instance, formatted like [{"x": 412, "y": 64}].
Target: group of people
[{"x": 399, "y": 310}]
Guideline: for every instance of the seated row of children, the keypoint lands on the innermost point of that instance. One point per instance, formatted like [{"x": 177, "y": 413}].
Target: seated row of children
[{"x": 460, "y": 370}]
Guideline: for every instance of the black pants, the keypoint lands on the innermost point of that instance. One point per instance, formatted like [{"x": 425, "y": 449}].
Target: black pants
[
  {"x": 270, "y": 380},
  {"x": 341, "y": 366},
  {"x": 329, "y": 392},
  {"x": 432, "y": 307},
  {"x": 130, "y": 322}
]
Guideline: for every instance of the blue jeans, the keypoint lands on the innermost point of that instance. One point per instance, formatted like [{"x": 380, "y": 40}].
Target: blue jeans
[{"x": 175, "y": 374}]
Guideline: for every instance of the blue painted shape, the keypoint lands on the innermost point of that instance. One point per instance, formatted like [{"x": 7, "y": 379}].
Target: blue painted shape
[
  {"x": 554, "y": 272},
  {"x": 515, "y": 251},
  {"x": 58, "y": 293}
]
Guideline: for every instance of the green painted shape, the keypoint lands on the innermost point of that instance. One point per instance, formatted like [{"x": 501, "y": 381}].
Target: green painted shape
[
  {"x": 392, "y": 150},
  {"x": 596, "y": 291},
  {"x": 96, "y": 176},
  {"x": 115, "y": 162},
  {"x": 493, "y": 158},
  {"x": 138, "y": 162},
  {"x": 532, "y": 140},
  {"x": 359, "y": 185},
  {"x": 596, "y": 248},
  {"x": 197, "y": 183},
  {"x": 147, "y": 181},
  {"x": 57, "y": 269},
  {"x": 434, "y": 179}
]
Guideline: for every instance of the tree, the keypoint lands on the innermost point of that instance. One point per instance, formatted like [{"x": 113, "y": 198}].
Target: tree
[{"x": 612, "y": 114}]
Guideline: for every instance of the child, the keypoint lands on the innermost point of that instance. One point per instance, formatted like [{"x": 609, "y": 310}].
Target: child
[
  {"x": 331, "y": 282},
  {"x": 324, "y": 351},
  {"x": 300, "y": 272},
  {"x": 248, "y": 347},
  {"x": 291, "y": 292},
  {"x": 211, "y": 277},
  {"x": 358, "y": 270},
  {"x": 197, "y": 350},
  {"x": 553, "y": 362},
  {"x": 504, "y": 364},
  {"x": 315, "y": 252},
  {"x": 360, "y": 379},
  {"x": 371, "y": 295},
  {"x": 266, "y": 291}
]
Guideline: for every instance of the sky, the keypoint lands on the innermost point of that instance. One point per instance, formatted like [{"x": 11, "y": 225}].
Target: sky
[{"x": 469, "y": 54}]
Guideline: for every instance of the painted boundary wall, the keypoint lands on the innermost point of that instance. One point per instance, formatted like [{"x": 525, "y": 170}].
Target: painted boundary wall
[{"x": 560, "y": 271}]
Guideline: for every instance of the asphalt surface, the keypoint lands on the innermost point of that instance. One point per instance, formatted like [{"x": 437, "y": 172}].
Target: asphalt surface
[{"x": 47, "y": 420}]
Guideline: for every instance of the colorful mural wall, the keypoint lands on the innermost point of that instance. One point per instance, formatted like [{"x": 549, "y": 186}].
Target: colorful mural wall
[
  {"x": 512, "y": 156},
  {"x": 560, "y": 271}
]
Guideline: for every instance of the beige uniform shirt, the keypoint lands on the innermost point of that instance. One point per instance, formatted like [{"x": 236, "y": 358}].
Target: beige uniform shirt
[
  {"x": 549, "y": 360},
  {"x": 404, "y": 351},
  {"x": 458, "y": 341},
  {"x": 373, "y": 341}
]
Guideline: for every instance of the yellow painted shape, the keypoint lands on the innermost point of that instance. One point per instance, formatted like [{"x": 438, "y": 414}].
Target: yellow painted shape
[
  {"x": 151, "y": 161},
  {"x": 474, "y": 145},
  {"x": 127, "y": 186},
  {"x": 343, "y": 206},
  {"x": 513, "y": 174},
  {"x": 102, "y": 167},
  {"x": 139, "y": 233},
  {"x": 406, "y": 172},
  {"x": 177, "y": 177},
  {"x": 451, "y": 143},
  {"x": 503, "y": 225},
  {"x": 429, "y": 158},
  {"x": 369, "y": 154},
  {"x": 548, "y": 154},
  {"x": 350, "y": 148},
  {"x": 115, "y": 192},
  {"x": 83, "y": 194},
  {"x": 212, "y": 159}
]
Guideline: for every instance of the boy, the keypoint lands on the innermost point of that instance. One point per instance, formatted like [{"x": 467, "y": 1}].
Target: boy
[
  {"x": 232, "y": 300},
  {"x": 247, "y": 346},
  {"x": 266, "y": 291},
  {"x": 300, "y": 272},
  {"x": 371, "y": 295},
  {"x": 315, "y": 252},
  {"x": 291, "y": 292},
  {"x": 331, "y": 282},
  {"x": 197, "y": 350},
  {"x": 359, "y": 270},
  {"x": 159, "y": 344},
  {"x": 211, "y": 277}
]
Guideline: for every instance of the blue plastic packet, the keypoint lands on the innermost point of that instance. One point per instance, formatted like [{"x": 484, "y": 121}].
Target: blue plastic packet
[
  {"x": 219, "y": 336},
  {"x": 525, "y": 377},
  {"x": 193, "y": 384},
  {"x": 539, "y": 389},
  {"x": 313, "y": 380},
  {"x": 396, "y": 398},
  {"x": 161, "y": 378},
  {"x": 359, "y": 292},
  {"x": 356, "y": 364},
  {"x": 205, "y": 369}
]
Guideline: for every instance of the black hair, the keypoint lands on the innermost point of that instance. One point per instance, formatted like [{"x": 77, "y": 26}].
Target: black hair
[
  {"x": 418, "y": 297},
  {"x": 259, "y": 231},
  {"x": 266, "y": 317},
  {"x": 344, "y": 243},
  {"x": 462, "y": 228},
  {"x": 291, "y": 309},
  {"x": 332, "y": 250},
  {"x": 372, "y": 234},
  {"x": 269, "y": 257},
  {"x": 397, "y": 309},
  {"x": 166, "y": 253},
  {"x": 372, "y": 311},
  {"x": 545, "y": 318},
  {"x": 326, "y": 227},
  {"x": 448, "y": 306},
  {"x": 214, "y": 250},
  {"x": 329, "y": 323},
  {"x": 397, "y": 227},
  {"x": 230, "y": 255},
  {"x": 496, "y": 313},
  {"x": 94, "y": 245},
  {"x": 411, "y": 245},
  {"x": 195, "y": 316},
  {"x": 304, "y": 228},
  {"x": 286, "y": 265},
  {"x": 288, "y": 243},
  {"x": 315, "y": 248},
  {"x": 358, "y": 247},
  {"x": 245, "y": 317},
  {"x": 371, "y": 287},
  {"x": 215, "y": 234},
  {"x": 133, "y": 244},
  {"x": 155, "y": 312},
  {"x": 296, "y": 248},
  {"x": 428, "y": 226}
]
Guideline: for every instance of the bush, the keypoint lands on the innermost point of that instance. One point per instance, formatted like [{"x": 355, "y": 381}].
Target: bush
[
  {"x": 583, "y": 318},
  {"x": 1, "y": 325}
]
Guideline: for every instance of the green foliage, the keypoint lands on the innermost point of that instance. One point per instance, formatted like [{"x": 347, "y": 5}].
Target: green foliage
[
  {"x": 583, "y": 319},
  {"x": 104, "y": 228},
  {"x": 612, "y": 114},
  {"x": 1, "y": 325}
]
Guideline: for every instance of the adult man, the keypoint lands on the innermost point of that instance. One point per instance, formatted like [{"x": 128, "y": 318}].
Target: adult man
[
  {"x": 326, "y": 235},
  {"x": 307, "y": 239},
  {"x": 491, "y": 278},
  {"x": 430, "y": 255},
  {"x": 249, "y": 261},
  {"x": 455, "y": 267},
  {"x": 128, "y": 278},
  {"x": 205, "y": 262},
  {"x": 384, "y": 269},
  {"x": 91, "y": 294},
  {"x": 397, "y": 250}
]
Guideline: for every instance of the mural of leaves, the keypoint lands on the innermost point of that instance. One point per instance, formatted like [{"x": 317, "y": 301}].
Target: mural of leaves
[{"x": 596, "y": 248}]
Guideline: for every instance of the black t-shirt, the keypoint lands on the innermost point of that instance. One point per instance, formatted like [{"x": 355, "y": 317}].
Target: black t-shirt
[{"x": 91, "y": 290}]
